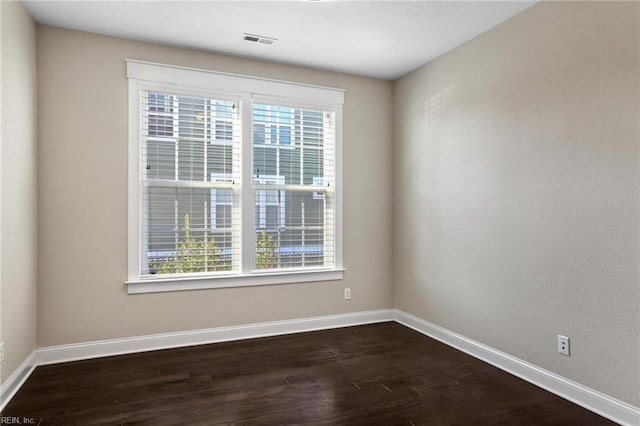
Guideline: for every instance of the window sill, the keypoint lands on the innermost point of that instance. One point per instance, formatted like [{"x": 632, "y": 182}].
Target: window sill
[{"x": 156, "y": 285}]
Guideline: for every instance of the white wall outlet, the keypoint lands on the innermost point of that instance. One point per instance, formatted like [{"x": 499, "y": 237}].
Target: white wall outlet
[
  {"x": 347, "y": 293},
  {"x": 563, "y": 345},
  {"x": 1, "y": 351}
]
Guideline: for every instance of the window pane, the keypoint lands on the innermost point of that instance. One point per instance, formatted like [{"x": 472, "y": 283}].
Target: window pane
[
  {"x": 300, "y": 229},
  {"x": 181, "y": 239},
  {"x": 189, "y": 209},
  {"x": 293, "y": 226}
]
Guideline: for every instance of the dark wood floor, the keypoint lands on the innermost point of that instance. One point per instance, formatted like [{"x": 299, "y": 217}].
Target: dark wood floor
[{"x": 381, "y": 374}]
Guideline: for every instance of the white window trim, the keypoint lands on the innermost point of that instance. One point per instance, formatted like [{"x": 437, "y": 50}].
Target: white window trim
[
  {"x": 247, "y": 89},
  {"x": 201, "y": 283}
]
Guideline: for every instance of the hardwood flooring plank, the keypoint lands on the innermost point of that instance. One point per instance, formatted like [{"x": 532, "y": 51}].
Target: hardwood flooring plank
[{"x": 380, "y": 374}]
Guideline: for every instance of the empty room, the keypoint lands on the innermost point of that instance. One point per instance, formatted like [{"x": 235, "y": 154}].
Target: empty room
[{"x": 320, "y": 212}]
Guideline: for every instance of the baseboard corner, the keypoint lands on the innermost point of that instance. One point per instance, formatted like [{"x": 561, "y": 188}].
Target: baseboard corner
[
  {"x": 11, "y": 386},
  {"x": 604, "y": 405}
]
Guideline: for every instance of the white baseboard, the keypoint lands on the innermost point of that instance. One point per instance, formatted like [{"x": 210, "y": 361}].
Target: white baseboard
[
  {"x": 17, "y": 379},
  {"x": 97, "y": 349},
  {"x": 599, "y": 403}
]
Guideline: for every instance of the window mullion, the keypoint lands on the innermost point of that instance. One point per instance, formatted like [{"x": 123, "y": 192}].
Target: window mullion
[
  {"x": 207, "y": 205},
  {"x": 246, "y": 188},
  {"x": 337, "y": 187}
]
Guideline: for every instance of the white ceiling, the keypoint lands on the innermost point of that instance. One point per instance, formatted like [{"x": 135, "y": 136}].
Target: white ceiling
[{"x": 384, "y": 39}]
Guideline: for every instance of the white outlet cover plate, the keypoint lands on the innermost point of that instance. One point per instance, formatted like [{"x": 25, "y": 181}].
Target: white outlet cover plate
[{"x": 563, "y": 345}]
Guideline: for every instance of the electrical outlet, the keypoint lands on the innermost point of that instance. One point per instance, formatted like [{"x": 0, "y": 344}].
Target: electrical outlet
[
  {"x": 1, "y": 351},
  {"x": 563, "y": 345},
  {"x": 347, "y": 293}
]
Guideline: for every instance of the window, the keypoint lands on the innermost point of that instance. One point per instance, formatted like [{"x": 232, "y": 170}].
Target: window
[{"x": 233, "y": 180}]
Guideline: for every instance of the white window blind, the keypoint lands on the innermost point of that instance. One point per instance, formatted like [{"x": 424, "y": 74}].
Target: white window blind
[
  {"x": 293, "y": 160},
  {"x": 234, "y": 180},
  {"x": 189, "y": 169}
]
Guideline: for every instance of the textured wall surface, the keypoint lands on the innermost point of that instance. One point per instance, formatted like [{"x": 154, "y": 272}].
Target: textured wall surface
[
  {"x": 18, "y": 191},
  {"x": 516, "y": 191},
  {"x": 83, "y": 199}
]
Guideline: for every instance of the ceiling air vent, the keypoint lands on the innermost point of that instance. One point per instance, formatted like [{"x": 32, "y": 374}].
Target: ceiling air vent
[{"x": 259, "y": 39}]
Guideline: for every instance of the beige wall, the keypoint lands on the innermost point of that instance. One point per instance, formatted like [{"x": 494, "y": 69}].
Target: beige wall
[
  {"x": 18, "y": 277},
  {"x": 83, "y": 199},
  {"x": 516, "y": 183}
]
